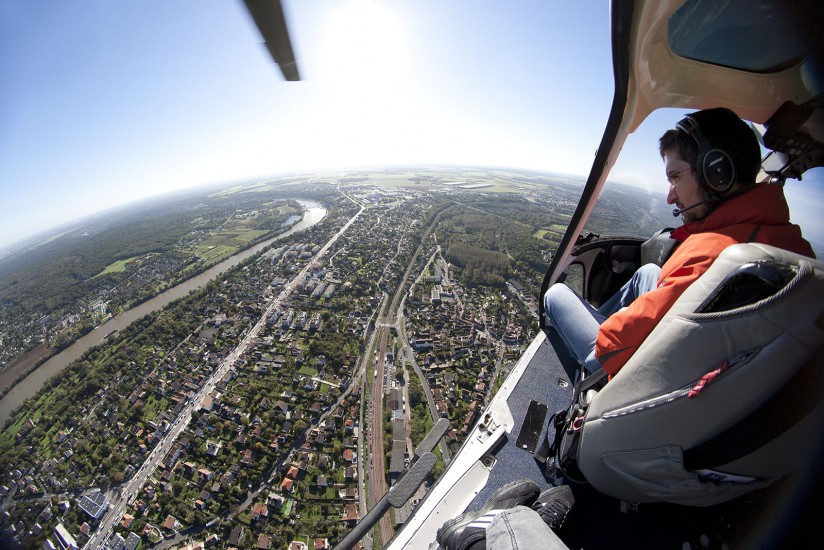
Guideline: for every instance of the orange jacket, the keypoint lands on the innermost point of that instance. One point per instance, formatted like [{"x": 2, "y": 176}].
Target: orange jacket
[{"x": 759, "y": 215}]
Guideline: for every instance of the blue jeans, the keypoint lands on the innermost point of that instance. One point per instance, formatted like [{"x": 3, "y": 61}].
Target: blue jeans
[
  {"x": 521, "y": 528},
  {"x": 577, "y": 322}
]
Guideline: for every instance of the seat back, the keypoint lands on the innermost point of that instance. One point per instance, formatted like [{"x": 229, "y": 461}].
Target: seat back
[
  {"x": 638, "y": 427},
  {"x": 658, "y": 248}
]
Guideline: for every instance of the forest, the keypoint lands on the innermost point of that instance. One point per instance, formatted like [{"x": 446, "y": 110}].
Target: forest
[{"x": 494, "y": 239}]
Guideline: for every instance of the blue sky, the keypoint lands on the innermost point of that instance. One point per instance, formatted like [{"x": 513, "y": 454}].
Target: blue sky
[{"x": 103, "y": 103}]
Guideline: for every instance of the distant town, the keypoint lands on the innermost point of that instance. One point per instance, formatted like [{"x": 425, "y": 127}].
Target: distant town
[{"x": 275, "y": 403}]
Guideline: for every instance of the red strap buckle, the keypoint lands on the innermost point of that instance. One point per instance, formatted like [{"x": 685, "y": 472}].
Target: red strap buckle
[{"x": 706, "y": 379}]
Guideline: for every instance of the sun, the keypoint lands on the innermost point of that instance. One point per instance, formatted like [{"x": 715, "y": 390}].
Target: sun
[
  {"x": 365, "y": 81},
  {"x": 365, "y": 45}
]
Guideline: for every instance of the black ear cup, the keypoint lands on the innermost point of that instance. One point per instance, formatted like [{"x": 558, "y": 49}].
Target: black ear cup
[{"x": 715, "y": 167}]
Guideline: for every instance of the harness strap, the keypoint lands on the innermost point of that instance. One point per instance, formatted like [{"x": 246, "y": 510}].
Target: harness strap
[
  {"x": 559, "y": 419},
  {"x": 754, "y": 234}
]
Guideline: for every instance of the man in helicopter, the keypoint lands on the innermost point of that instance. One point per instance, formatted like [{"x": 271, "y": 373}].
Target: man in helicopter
[{"x": 712, "y": 158}]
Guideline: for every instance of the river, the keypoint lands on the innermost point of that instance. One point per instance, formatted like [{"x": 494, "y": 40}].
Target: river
[{"x": 29, "y": 386}]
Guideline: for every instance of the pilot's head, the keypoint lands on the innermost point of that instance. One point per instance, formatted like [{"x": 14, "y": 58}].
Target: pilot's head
[{"x": 710, "y": 156}]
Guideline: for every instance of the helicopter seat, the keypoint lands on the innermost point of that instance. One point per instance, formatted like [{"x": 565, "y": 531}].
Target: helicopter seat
[
  {"x": 658, "y": 248},
  {"x": 726, "y": 394}
]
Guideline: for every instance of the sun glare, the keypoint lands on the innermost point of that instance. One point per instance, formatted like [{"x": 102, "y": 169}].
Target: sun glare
[
  {"x": 364, "y": 45},
  {"x": 365, "y": 80}
]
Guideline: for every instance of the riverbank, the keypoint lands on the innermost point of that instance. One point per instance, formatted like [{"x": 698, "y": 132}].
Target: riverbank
[{"x": 24, "y": 366}]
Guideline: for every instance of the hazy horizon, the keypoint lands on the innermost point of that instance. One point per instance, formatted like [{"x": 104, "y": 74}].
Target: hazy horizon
[{"x": 108, "y": 103}]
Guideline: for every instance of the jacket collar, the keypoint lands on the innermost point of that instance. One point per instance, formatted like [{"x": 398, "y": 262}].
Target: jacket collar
[{"x": 763, "y": 204}]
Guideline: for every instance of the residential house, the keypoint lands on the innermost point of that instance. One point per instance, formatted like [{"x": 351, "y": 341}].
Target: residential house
[
  {"x": 169, "y": 523},
  {"x": 235, "y": 536},
  {"x": 350, "y": 514}
]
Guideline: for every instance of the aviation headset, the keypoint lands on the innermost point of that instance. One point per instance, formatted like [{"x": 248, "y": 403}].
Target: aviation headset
[{"x": 715, "y": 167}]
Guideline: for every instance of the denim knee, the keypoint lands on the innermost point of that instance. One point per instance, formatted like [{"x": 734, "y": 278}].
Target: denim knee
[
  {"x": 555, "y": 295},
  {"x": 647, "y": 276}
]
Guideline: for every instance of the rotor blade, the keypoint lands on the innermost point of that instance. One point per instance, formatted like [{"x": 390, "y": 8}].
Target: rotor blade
[{"x": 270, "y": 21}]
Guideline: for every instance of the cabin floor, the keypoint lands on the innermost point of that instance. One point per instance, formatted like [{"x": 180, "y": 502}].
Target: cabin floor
[{"x": 781, "y": 516}]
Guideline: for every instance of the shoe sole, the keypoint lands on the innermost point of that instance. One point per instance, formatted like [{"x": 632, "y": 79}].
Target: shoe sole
[{"x": 451, "y": 534}]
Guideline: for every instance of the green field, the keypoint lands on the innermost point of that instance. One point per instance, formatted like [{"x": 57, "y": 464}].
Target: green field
[
  {"x": 554, "y": 233},
  {"x": 307, "y": 371},
  {"x": 225, "y": 243},
  {"x": 118, "y": 266},
  {"x": 209, "y": 253},
  {"x": 246, "y": 236},
  {"x": 243, "y": 188}
]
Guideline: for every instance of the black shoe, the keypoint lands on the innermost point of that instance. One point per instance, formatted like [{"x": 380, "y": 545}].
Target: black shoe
[
  {"x": 468, "y": 531},
  {"x": 522, "y": 492},
  {"x": 553, "y": 506}
]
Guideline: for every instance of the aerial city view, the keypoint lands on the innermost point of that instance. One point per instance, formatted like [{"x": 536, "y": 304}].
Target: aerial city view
[
  {"x": 271, "y": 400},
  {"x": 351, "y": 274}
]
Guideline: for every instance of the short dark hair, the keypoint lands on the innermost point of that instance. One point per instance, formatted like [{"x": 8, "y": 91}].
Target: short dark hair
[
  {"x": 681, "y": 143},
  {"x": 725, "y": 130}
]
